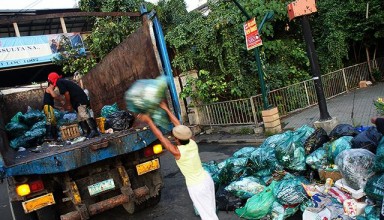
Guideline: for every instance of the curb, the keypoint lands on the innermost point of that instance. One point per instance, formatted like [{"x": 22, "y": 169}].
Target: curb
[{"x": 232, "y": 141}]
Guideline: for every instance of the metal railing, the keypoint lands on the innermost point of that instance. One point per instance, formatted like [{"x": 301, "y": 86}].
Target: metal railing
[{"x": 288, "y": 99}]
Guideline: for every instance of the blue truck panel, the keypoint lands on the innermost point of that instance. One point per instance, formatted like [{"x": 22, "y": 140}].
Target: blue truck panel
[{"x": 63, "y": 159}]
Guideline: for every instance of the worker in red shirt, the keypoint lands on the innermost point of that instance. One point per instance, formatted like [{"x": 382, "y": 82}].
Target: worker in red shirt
[{"x": 77, "y": 99}]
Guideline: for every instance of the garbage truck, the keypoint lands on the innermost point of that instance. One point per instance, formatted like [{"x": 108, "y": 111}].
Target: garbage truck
[{"x": 80, "y": 180}]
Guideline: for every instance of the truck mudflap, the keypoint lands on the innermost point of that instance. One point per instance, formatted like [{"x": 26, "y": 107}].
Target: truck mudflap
[{"x": 105, "y": 205}]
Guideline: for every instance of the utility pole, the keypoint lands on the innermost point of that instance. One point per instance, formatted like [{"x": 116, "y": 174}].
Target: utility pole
[
  {"x": 315, "y": 69},
  {"x": 270, "y": 115},
  {"x": 303, "y": 8}
]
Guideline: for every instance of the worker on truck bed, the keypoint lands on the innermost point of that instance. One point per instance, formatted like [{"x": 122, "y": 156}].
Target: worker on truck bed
[
  {"x": 200, "y": 185},
  {"x": 48, "y": 102},
  {"x": 75, "y": 98}
]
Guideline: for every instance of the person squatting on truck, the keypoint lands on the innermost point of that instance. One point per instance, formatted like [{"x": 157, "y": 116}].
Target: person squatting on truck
[
  {"x": 48, "y": 103},
  {"x": 77, "y": 99},
  {"x": 199, "y": 182}
]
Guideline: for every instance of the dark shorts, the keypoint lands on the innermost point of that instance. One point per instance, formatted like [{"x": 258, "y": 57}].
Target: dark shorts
[{"x": 380, "y": 125}]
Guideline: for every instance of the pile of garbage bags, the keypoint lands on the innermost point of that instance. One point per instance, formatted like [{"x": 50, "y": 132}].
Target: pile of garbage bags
[
  {"x": 282, "y": 175},
  {"x": 28, "y": 129},
  {"x": 116, "y": 119}
]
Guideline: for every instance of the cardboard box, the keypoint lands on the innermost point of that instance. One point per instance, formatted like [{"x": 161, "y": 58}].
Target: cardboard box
[
  {"x": 356, "y": 194},
  {"x": 362, "y": 84},
  {"x": 333, "y": 174}
]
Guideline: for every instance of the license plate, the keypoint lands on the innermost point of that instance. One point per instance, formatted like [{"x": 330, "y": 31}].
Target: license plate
[
  {"x": 38, "y": 203},
  {"x": 101, "y": 187},
  {"x": 147, "y": 166}
]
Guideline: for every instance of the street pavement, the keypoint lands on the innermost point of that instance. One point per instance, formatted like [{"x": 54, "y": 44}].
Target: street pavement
[{"x": 355, "y": 108}]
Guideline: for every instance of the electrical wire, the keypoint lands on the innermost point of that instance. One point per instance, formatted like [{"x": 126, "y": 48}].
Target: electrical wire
[{"x": 30, "y": 5}]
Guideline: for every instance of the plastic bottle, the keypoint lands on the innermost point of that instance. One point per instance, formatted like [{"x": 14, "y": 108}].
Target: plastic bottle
[{"x": 328, "y": 184}]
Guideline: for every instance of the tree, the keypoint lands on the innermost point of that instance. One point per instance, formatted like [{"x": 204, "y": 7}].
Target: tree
[
  {"x": 106, "y": 34},
  {"x": 343, "y": 28},
  {"x": 215, "y": 45}
]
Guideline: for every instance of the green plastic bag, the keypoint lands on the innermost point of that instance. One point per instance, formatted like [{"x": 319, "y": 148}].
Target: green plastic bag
[
  {"x": 16, "y": 117},
  {"x": 145, "y": 95},
  {"x": 246, "y": 187},
  {"x": 317, "y": 158},
  {"x": 379, "y": 158},
  {"x": 22, "y": 141},
  {"x": 274, "y": 140},
  {"x": 375, "y": 188},
  {"x": 370, "y": 213},
  {"x": 213, "y": 170},
  {"x": 264, "y": 158},
  {"x": 290, "y": 191},
  {"x": 281, "y": 213},
  {"x": 37, "y": 125},
  {"x": 258, "y": 205},
  {"x": 16, "y": 129},
  {"x": 31, "y": 117},
  {"x": 106, "y": 110},
  {"x": 244, "y": 152},
  {"x": 232, "y": 169},
  {"x": 291, "y": 154},
  {"x": 335, "y": 147},
  {"x": 302, "y": 134}
]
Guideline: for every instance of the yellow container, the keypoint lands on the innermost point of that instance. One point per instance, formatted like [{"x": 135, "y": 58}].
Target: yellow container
[{"x": 101, "y": 124}]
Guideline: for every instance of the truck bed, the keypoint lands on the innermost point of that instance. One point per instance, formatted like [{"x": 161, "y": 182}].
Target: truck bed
[{"x": 55, "y": 159}]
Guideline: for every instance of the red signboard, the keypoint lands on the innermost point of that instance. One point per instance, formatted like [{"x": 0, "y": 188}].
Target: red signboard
[{"x": 252, "y": 36}]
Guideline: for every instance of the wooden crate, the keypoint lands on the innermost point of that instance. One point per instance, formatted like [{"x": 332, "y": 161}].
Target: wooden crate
[{"x": 69, "y": 132}]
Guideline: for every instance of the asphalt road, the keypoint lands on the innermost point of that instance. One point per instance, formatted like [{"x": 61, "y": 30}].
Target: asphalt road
[
  {"x": 5, "y": 212},
  {"x": 175, "y": 203}
]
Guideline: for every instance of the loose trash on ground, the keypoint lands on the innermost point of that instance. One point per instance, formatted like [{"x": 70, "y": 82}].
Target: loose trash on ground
[{"x": 340, "y": 176}]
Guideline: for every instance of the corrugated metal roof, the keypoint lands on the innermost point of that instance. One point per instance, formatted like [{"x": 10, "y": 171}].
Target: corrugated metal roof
[{"x": 37, "y": 22}]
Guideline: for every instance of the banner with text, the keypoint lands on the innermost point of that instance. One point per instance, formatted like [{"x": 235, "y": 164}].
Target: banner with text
[
  {"x": 252, "y": 37},
  {"x": 18, "y": 51}
]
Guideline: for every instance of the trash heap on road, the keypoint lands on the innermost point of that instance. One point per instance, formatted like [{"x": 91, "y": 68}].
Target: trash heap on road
[{"x": 335, "y": 176}]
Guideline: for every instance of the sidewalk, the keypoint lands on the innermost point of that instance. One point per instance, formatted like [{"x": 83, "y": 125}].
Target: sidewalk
[
  {"x": 358, "y": 102},
  {"x": 355, "y": 108}
]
